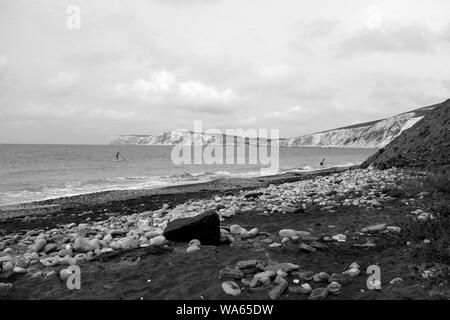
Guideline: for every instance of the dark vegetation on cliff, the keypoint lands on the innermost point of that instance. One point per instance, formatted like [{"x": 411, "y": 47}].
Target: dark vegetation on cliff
[{"x": 424, "y": 145}]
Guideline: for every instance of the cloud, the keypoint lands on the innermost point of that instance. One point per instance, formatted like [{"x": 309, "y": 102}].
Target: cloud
[
  {"x": 374, "y": 18},
  {"x": 36, "y": 111},
  {"x": 3, "y": 62},
  {"x": 446, "y": 84},
  {"x": 274, "y": 71},
  {"x": 318, "y": 28},
  {"x": 163, "y": 85},
  {"x": 63, "y": 80},
  {"x": 285, "y": 114},
  {"x": 313, "y": 36},
  {"x": 408, "y": 93},
  {"x": 399, "y": 39}
]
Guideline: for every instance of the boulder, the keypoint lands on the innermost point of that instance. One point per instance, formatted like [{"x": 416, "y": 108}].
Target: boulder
[{"x": 205, "y": 227}]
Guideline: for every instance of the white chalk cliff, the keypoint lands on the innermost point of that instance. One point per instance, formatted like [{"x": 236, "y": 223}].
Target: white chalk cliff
[
  {"x": 183, "y": 137},
  {"x": 375, "y": 134}
]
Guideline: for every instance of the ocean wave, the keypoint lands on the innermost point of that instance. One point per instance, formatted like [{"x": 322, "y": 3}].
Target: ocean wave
[{"x": 73, "y": 188}]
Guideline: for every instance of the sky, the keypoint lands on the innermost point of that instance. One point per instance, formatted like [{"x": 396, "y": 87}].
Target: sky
[{"x": 140, "y": 67}]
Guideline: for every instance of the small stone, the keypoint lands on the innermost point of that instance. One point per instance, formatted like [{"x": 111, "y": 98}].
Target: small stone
[
  {"x": 307, "y": 248},
  {"x": 343, "y": 279},
  {"x": 5, "y": 286},
  {"x": 64, "y": 274},
  {"x": 425, "y": 216},
  {"x": 340, "y": 237},
  {"x": 128, "y": 243},
  {"x": 50, "y": 248},
  {"x": 307, "y": 287},
  {"x": 304, "y": 275},
  {"x": 84, "y": 245},
  {"x": 37, "y": 274},
  {"x": 282, "y": 274},
  {"x": 231, "y": 273},
  {"x": 334, "y": 288},
  {"x": 39, "y": 245},
  {"x": 394, "y": 229},
  {"x": 238, "y": 230},
  {"x": 318, "y": 245},
  {"x": 253, "y": 232},
  {"x": 354, "y": 265},
  {"x": 375, "y": 228},
  {"x": 249, "y": 271},
  {"x": 376, "y": 203},
  {"x": 321, "y": 277},
  {"x": 231, "y": 288},
  {"x": 276, "y": 292},
  {"x": 5, "y": 259},
  {"x": 319, "y": 293},
  {"x": 286, "y": 267},
  {"x": 247, "y": 264},
  {"x": 396, "y": 281},
  {"x": 158, "y": 241},
  {"x": 151, "y": 234},
  {"x": 65, "y": 252},
  {"x": 192, "y": 249},
  {"x": 287, "y": 233},
  {"x": 303, "y": 289},
  {"x": 353, "y": 272},
  {"x": 194, "y": 242},
  {"x": 7, "y": 266},
  {"x": 265, "y": 277},
  {"x": 19, "y": 270}
]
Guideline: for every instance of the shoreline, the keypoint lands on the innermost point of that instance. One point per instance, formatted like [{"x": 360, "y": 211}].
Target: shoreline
[{"x": 217, "y": 184}]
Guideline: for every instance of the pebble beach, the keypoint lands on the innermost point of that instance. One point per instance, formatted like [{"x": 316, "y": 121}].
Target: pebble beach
[{"x": 293, "y": 236}]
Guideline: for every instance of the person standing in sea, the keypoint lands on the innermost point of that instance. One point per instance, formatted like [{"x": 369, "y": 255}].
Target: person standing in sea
[{"x": 322, "y": 163}]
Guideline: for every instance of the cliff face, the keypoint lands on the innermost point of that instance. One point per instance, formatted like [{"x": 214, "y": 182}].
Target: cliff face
[
  {"x": 426, "y": 144},
  {"x": 376, "y": 134},
  {"x": 184, "y": 137}
]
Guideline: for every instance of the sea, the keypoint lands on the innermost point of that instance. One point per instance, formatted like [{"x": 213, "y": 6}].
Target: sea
[{"x": 38, "y": 172}]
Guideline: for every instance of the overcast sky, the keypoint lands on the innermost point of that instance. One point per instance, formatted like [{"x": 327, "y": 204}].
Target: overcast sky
[{"x": 139, "y": 67}]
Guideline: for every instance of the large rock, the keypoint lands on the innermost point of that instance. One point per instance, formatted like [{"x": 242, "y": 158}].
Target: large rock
[{"x": 204, "y": 227}]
